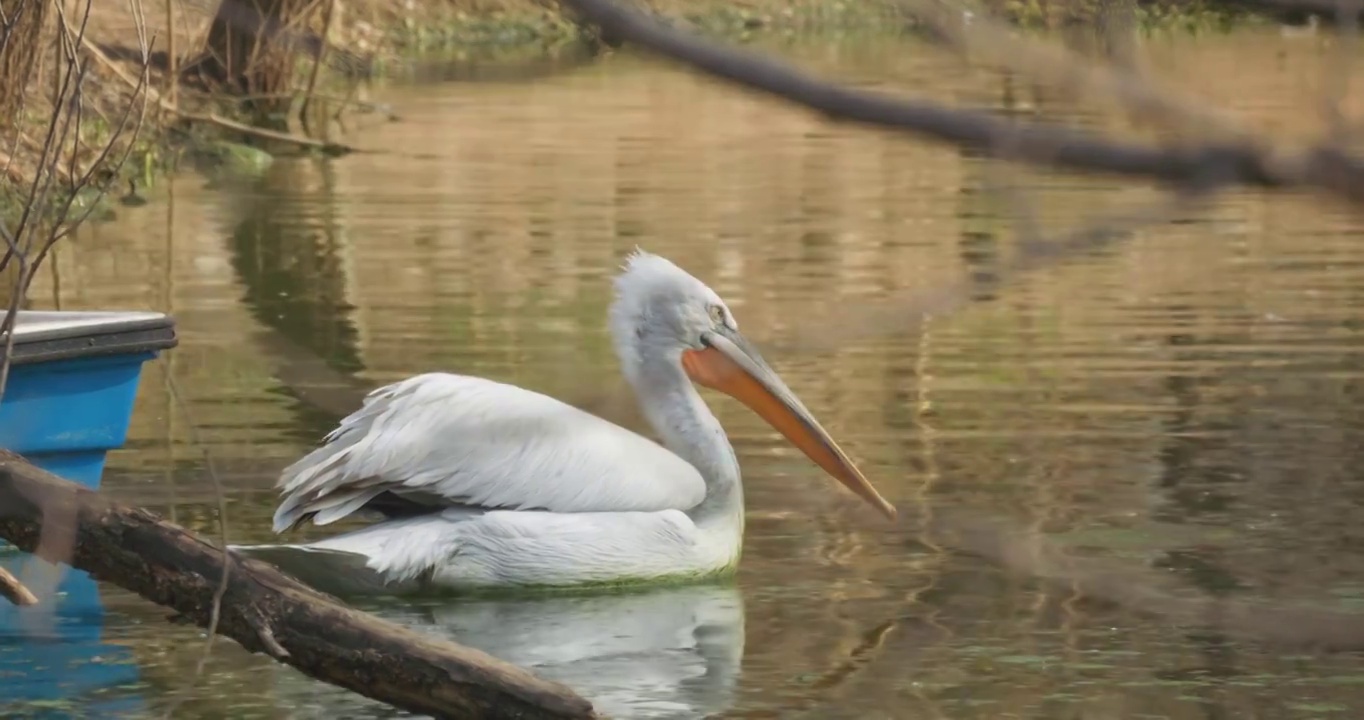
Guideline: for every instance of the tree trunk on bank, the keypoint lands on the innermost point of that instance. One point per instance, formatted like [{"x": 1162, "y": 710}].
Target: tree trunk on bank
[
  {"x": 253, "y": 44},
  {"x": 265, "y": 610}
]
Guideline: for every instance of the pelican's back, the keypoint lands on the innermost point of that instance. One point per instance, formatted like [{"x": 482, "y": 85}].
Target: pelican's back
[{"x": 440, "y": 440}]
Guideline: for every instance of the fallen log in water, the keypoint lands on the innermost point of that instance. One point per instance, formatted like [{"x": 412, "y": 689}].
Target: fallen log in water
[{"x": 267, "y": 611}]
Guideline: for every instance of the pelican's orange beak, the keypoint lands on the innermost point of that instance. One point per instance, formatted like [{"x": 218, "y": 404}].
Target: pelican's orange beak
[{"x": 732, "y": 366}]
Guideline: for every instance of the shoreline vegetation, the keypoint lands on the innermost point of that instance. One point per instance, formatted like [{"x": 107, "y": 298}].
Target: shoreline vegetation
[{"x": 234, "y": 83}]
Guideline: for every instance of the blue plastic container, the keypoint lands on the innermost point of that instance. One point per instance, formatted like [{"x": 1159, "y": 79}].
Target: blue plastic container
[{"x": 68, "y": 401}]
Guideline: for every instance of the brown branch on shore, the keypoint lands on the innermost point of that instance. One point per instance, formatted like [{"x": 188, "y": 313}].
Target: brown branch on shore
[
  {"x": 326, "y": 146},
  {"x": 1325, "y": 167},
  {"x": 14, "y": 591},
  {"x": 269, "y": 612}
]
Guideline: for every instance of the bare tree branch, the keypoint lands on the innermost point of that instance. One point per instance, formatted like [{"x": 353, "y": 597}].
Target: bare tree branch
[
  {"x": 1048, "y": 144},
  {"x": 216, "y": 611},
  {"x": 993, "y": 41}
]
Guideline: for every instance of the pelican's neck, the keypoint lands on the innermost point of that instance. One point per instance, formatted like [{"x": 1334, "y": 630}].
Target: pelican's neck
[{"x": 689, "y": 429}]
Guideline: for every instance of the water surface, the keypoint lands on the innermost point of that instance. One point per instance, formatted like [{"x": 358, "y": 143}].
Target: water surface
[{"x": 1185, "y": 404}]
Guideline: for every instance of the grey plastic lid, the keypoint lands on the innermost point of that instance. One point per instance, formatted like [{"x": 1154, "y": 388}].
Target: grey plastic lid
[{"x": 47, "y": 335}]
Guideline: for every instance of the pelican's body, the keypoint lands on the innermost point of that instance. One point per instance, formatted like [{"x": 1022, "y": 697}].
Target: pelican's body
[{"x": 484, "y": 484}]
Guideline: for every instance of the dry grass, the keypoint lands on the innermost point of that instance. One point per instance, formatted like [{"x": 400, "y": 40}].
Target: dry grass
[{"x": 20, "y": 37}]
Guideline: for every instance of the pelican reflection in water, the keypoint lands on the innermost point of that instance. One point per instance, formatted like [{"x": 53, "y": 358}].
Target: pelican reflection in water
[
  {"x": 484, "y": 485},
  {"x": 669, "y": 653}
]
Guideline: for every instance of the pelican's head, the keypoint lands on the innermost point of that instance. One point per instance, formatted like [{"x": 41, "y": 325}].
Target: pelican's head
[{"x": 661, "y": 311}]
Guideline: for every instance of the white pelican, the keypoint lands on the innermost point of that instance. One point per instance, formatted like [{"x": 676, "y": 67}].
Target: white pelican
[{"x": 485, "y": 485}]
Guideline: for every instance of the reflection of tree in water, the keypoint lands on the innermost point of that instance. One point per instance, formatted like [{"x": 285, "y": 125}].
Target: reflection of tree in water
[
  {"x": 1190, "y": 480},
  {"x": 287, "y": 252},
  {"x": 981, "y": 222},
  {"x": 1264, "y": 442}
]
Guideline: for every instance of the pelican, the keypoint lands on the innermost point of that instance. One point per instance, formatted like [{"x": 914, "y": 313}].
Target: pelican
[{"x": 484, "y": 485}]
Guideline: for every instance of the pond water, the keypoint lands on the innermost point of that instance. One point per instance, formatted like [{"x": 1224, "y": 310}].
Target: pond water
[{"x": 1184, "y": 406}]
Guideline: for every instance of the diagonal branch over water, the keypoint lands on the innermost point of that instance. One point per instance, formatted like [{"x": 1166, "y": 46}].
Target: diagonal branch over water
[
  {"x": 1325, "y": 167},
  {"x": 985, "y": 38}
]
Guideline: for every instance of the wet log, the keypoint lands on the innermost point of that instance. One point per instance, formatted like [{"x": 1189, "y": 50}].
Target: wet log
[{"x": 267, "y": 611}]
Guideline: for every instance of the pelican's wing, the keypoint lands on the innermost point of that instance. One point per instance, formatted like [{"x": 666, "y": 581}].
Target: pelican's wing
[{"x": 440, "y": 440}]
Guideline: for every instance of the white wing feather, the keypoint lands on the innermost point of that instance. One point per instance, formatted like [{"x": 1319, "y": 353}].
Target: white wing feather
[{"x": 471, "y": 441}]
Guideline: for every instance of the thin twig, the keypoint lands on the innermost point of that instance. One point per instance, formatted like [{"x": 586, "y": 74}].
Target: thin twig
[
  {"x": 8, "y": 29},
  {"x": 21, "y": 241},
  {"x": 139, "y": 101},
  {"x": 43, "y": 223},
  {"x": 215, "y": 614}
]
